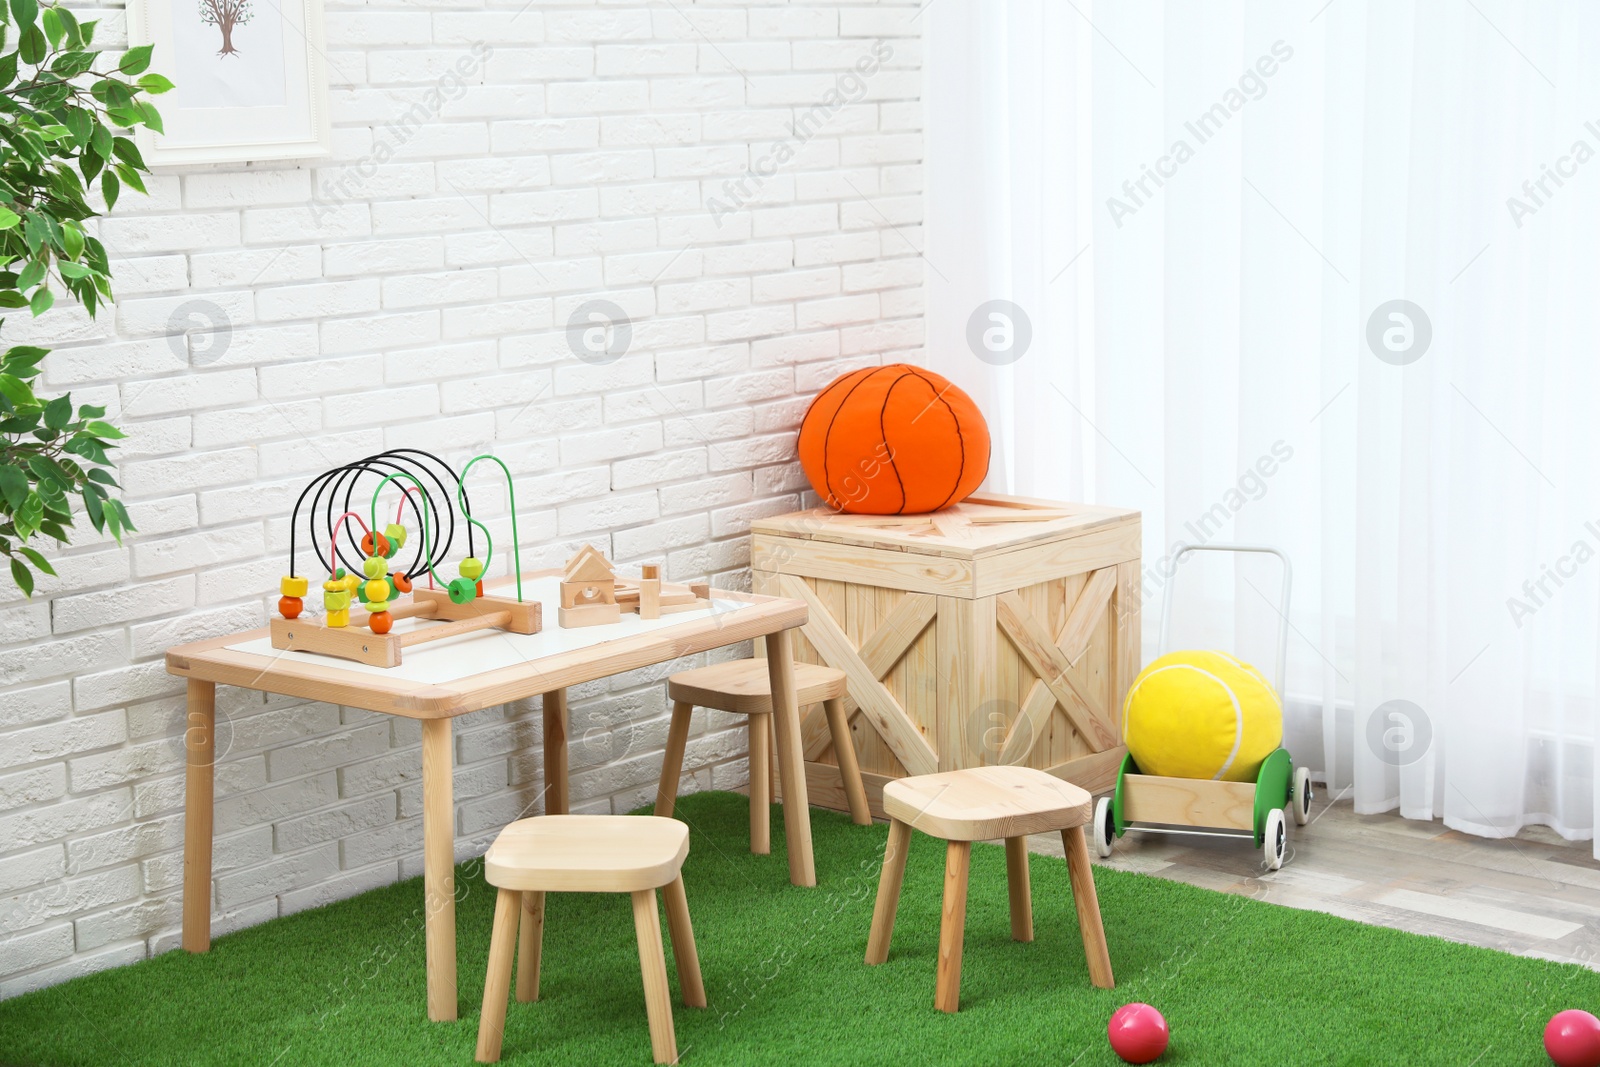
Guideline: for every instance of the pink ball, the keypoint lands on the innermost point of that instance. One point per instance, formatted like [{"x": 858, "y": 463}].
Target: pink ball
[
  {"x": 1572, "y": 1038},
  {"x": 1138, "y": 1033}
]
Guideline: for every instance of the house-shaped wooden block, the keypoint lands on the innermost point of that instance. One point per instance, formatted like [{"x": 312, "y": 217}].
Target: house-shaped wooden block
[{"x": 588, "y": 590}]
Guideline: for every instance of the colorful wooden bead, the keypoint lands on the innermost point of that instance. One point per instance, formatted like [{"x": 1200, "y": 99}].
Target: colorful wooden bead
[
  {"x": 396, "y": 535},
  {"x": 339, "y": 618},
  {"x": 393, "y": 591},
  {"x": 336, "y": 600},
  {"x": 375, "y": 567},
  {"x": 291, "y": 606},
  {"x": 375, "y": 544},
  {"x": 462, "y": 591},
  {"x": 292, "y": 585},
  {"x": 402, "y": 584},
  {"x": 471, "y": 568},
  {"x": 380, "y": 621},
  {"x": 376, "y": 591}
]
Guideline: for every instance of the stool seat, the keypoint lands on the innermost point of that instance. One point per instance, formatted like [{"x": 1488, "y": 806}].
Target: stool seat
[
  {"x": 744, "y": 687},
  {"x": 982, "y": 804},
  {"x": 741, "y": 686},
  {"x": 987, "y": 803},
  {"x": 587, "y": 854},
  {"x": 633, "y": 854}
]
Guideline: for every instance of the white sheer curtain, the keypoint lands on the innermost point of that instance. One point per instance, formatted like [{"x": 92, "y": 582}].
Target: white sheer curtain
[{"x": 1208, "y": 213}]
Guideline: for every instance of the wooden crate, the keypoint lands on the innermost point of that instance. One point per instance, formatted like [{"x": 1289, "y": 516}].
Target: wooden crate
[{"x": 968, "y": 640}]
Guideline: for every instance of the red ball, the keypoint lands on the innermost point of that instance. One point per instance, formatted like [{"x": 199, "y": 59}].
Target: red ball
[
  {"x": 1138, "y": 1033},
  {"x": 1572, "y": 1038}
]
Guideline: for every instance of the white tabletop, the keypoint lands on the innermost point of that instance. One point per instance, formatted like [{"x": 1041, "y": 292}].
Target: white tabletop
[{"x": 454, "y": 658}]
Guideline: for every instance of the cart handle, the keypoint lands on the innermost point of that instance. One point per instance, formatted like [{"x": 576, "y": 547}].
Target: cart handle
[{"x": 1183, "y": 548}]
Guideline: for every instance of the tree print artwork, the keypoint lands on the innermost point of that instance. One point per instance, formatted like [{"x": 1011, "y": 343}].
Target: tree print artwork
[{"x": 225, "y": 15}]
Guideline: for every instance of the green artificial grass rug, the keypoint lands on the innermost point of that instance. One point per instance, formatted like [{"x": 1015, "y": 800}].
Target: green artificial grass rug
[{"x": 1240, "y": 981}]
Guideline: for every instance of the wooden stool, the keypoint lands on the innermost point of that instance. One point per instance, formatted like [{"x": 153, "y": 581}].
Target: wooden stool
[
  {"x": 984, "y": 804},
  {"x": 741, "y": 687},
  {"x": 589, "y": 854}
]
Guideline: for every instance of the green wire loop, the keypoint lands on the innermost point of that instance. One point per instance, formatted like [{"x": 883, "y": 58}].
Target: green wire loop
[
  {"x": 511, "y": 498},
  {"x": 422, "y": 509}
]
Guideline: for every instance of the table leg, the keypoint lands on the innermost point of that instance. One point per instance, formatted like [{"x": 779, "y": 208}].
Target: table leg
[
  {"x": 791, "y": 760},
  {"x": 555, "y": 752},
  {"x": 200, "y": 745},
  {"x": 438, "y": 869}
]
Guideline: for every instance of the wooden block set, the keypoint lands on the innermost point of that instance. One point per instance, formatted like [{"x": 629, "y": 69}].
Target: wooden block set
[{"x": 591, "y": 592}]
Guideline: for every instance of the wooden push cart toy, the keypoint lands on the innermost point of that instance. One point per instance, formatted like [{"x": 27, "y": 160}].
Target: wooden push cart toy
[
  {"x": 372, "y": 575},
  {"x": 1150, "y": 803}
]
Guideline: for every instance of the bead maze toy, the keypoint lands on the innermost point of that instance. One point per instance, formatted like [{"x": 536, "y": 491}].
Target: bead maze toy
[
  {"x": 370, "y": 576},
  {"x": 364, "y": 569}
]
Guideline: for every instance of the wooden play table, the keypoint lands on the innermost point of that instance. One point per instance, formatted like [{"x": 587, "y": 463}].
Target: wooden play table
[{"x": 437, "y": 682}]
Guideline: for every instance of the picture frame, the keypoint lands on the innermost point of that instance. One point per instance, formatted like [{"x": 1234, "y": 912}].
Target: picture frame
[{"x": 250, "y": 80}]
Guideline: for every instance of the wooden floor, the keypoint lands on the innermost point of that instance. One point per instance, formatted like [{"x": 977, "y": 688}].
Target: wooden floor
[{"x": 1534, "y": 895}]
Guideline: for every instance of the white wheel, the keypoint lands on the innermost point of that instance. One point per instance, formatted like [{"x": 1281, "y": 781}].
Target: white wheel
[
  {"x": 1105, "y": 830},
  {"x": 1301, "y": 800},
  {"x": 1276, "y": 840}
]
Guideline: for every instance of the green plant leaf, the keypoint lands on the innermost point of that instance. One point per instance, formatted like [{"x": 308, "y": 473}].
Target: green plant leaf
[
  {"x": 149, "y": 115},
  {"x": 58, "y": 412},
  {"x": 8, "y": 218},
  {"x": 43, "y": 300},
  {"x": 155, "y": 84},
  {"x": 13, "y": 486},
  {"x": 92, "y": 504},
  {"x": 102, "y": 140},
  {"x": 127, "y": 151},
  {"x": 110, "y": 187},
  {"x": 31, "y": 45},
  {"x": 104, "y": 430},
  {"x": 53, "y": 30},
  {"x": 73, "y": 270},
  {"x": 81, "y": 123},
  {"x": 20, "y": 574},
  {"x": 24, "y": 12},
  {"x": 37, "y": 560},
  {"x": 15, "y": 390},
  {"x": 72, "y": 240},
  {"x": 70, "y": 22},
  {"x": 135, "y": 60}
]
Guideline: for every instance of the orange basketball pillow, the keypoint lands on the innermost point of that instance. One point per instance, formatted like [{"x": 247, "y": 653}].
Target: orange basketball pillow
[{"x": 893, "y": 440}]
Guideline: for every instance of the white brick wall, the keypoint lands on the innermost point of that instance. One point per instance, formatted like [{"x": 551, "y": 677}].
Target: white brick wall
[{"x": 422, "y": 300}]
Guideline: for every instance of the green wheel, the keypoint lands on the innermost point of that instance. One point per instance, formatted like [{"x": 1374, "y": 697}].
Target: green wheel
[{"x": 1272, "y": 789}]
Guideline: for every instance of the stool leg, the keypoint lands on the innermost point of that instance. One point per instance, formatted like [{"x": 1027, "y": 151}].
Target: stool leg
[
  {"x": 684, "y": 953},
  {"x": 672, "y": 762},
  {"x": 497, "y": 984},
  {"x": 653, "y": 965},
  {"x": 761, "y": 784},
  {"x": 1017, "y": 882},
  {"x": 530, "y": 945},
  {"x": 1088, "y": 905},
  {"x": 889, "y": 881},
  {"x": 952, "y": 926},
  {"x": 849, "y": 769}
]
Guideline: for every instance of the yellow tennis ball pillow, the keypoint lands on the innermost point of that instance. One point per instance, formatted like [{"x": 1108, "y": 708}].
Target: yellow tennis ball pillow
[{"x": 1201, "y": 715}]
